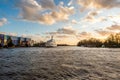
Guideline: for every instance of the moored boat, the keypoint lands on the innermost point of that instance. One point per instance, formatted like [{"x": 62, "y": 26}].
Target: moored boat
[{"x": 51, "y": 43}]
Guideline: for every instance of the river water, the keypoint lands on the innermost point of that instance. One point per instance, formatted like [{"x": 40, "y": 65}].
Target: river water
[{"x": 60, "y": 63}]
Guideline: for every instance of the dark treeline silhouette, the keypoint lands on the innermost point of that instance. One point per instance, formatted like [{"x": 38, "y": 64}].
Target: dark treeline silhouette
[
  {"x": 92, "y": 42},
  {"x": 113, "y": 41},
  {"x": 63, "y": 45},
  {"x": 39, "y": 44}
]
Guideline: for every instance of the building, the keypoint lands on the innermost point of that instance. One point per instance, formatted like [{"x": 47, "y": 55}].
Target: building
[
  {"x": 17, "y": 41},
  {"x": 1, "y": 39}
]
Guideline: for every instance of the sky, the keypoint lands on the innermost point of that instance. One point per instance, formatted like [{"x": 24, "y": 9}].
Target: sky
[{"x": 67, "y": 20}]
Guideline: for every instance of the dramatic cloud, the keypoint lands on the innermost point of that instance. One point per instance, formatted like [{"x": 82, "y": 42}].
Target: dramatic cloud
[
  {"x": 99, "y": 4},
  {"x": 114, "y": 27},
  {"x": 29, "y": 8},
  {"x": 44, "y": 11},
  {"x": 61, "y": 15},
  {"x": 3, "y": 21}
]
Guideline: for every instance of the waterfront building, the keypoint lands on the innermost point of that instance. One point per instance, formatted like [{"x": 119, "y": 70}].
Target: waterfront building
[
  {"x": 1, "y": 39},
  {"x": 14, "y": 40},
  {"x": 17, "y": 41}
]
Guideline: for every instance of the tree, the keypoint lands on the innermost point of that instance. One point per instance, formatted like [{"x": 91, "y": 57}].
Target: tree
[
  {"x": 113, "y": 40},
  {"x": 9, "y": 42},
  {"x": 92, "y": 42}
]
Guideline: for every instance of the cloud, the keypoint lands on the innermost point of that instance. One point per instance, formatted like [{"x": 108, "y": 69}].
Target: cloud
[
  {"x": 35, "y": 37},
  {"x": 99, "y": 4},
  {"x": 93, "y": 13},
  {"x": 70, "y": 3},
  {"x": 67, "y": 30},
  {"x": 104, "y": 32},
  {"x": 12, "y": 34},
  {"x": 3, "y": 21},
  {"x": 91, "y": 17},
  {"x": 56, "y": 16},
  {"x": 84, "y": 35},
  {"x": 114, "y": 27},
  {"x": 114, "y": 18},
  {"x": 65, "y": 35},
  {"x": 51, "y": 33},
  {"x": 28, "y": 8},
  {"x": 2, "y": 32},
  {"x": 62, "y": 36},
  {"x": 9, "y": 33},
  {"x": 74, "y": 21},
  {"x": 44, "y": 11},
  {"x": 47, "y": 4}
]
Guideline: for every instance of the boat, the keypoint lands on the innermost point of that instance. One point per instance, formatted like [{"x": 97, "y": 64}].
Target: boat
[{"x": 51, "y": 43}]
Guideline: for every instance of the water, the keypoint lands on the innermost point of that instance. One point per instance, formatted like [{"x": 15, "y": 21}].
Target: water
[{"x": 61, "y": 63}]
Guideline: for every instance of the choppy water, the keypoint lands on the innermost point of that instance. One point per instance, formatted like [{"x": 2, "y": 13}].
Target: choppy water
[{"x": 61, "y": 63}]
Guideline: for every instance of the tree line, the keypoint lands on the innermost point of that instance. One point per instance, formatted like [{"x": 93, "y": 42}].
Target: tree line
[{"x": 112, "y": 41}]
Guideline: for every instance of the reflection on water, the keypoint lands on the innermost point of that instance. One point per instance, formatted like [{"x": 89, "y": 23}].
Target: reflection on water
[{"x": 61, "y": 63}]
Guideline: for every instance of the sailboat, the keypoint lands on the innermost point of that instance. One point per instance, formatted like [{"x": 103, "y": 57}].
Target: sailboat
[{"x": 51, "y": 43}]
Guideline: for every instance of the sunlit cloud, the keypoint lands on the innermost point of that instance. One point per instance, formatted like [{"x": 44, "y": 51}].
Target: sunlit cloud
[
  {"x": 12, "y": 34},
  {"x": 84, "y": 35},
  {"x": 3, "y": 21},
  {"x": 99, "y": 4},
  {"x": 44, "y": 11},
  {"x": 114, "y": 18},
  {"x": 70, "y": 3},
  {"x": 74, "y": 21},
  {"x": 92, "y": 17},
  {"x": 67, "y": 30},
  {"x": 114, "y": 27},
  {"x": 9, "y": 33},
  {"x": 35, "y": 37},
  {"x": 46, "y": 4},
  {"x": 2, "y": 32},
  {"x": 104, "y": 32}
]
